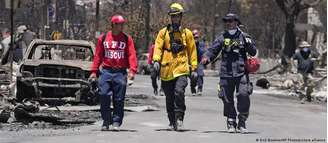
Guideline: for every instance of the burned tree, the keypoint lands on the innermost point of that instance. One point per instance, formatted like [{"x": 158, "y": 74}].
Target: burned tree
[{"x": 292, "y": 9}]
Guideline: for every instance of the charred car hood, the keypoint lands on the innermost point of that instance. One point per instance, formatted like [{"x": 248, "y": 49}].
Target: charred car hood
[{"x": 84, "y": 65}]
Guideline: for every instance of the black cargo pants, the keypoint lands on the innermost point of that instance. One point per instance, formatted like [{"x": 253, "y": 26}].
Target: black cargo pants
[{"x": 174, "y": 91}]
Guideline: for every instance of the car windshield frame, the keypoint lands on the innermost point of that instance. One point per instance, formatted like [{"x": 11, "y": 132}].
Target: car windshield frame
[{"x": 32, "y": 53}]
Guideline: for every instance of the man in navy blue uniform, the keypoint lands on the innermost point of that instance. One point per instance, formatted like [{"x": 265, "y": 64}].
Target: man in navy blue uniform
[{"x": 234, "y": 47}]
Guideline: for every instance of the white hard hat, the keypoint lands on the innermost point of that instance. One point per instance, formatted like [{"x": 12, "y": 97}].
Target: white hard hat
[
  {"x": 21, "y": 29},
  {"x": 304, "y": 44}
]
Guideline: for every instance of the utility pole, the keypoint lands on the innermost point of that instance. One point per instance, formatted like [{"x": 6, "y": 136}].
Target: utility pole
[
  {"x": 147, "y": 22},
  {"x": 216, "y": 17},
  {"x": 97, "y": 16},
  {"x": 230, "y": 6},
  {"x": 43, "y": 36},
  {"x": 67, "y": 34},
  {"x": 11, "y": 51}
]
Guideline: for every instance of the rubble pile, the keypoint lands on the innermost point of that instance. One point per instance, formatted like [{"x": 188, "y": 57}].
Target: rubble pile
[
  {"x": 292, "y": 82},
  {"x": 29, "y": 114}
]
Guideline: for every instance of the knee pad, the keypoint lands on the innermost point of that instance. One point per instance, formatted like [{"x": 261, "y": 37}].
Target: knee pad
[
  {"x": 179, "y": 91},
  {"x": 181, "y": 84},
  {"x": 243, "y": 116}
]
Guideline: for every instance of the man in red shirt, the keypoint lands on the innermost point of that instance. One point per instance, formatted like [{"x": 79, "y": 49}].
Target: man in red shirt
[{"x": 115, "y": 53}]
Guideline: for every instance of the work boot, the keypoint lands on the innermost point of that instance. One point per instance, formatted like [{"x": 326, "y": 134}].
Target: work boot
[
  {"x": 231, "y": 125},
  {"x": 193, "y": 92},
  {"x": 199, "y": 92},
  {"x": 179, "y": 125},
  {"x": 175, "y": 126},
  {"x": 242, "y": 127},
  {"x": 155, "y": 92},
  {"x": 116, "y": 126},
  {"x": 161, "y": 92},
  {"x": 303, "y": 100},
  {"x": 171, "y": 126},
  {"x": 105, "y": 126}
]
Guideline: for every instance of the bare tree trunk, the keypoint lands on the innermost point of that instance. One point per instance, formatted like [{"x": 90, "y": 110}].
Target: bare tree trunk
[
  {"x": 291, "y": 10},
  {"x": 290, "y": 37},
  {"x": 147, "y": 23},
  {"x": 97, "y": 15},
  {"x": 230, "y": 6}
]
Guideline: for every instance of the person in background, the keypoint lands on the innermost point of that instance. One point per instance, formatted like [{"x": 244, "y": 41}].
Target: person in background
[
  {"x": 153, "y": 73},
  {"x": 5, "y": 45},
  {"x": 305, "y": 67},
  {"x": 200, "y": 68}
]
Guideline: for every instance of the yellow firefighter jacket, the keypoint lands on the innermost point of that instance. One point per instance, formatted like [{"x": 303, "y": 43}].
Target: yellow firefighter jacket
[{"x": 175, "y": 65}]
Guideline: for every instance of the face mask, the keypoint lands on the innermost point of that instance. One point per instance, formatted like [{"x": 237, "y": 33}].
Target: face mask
[
  {"x": 306, "y": 49},
  {"x": 232, "y": 32},
  {"x": 175, "y": 26}
]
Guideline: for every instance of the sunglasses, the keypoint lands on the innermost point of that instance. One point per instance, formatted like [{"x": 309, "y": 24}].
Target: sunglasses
[
  {"x": 229, "y": 21},
  {"x": 175, "y": 15}
]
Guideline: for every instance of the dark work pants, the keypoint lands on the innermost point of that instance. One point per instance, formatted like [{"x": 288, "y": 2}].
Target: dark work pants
[
  {"x": 153, "y": 76},
  {"x": 112, "y": 86},
  {"x": 243, "y": 89},
  {"x": 199, "y": 81},
  {"x": 175, "y": 98}
]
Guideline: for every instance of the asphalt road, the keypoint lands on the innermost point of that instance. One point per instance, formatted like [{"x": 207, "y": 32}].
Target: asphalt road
[{"x": 271, "y": 119}]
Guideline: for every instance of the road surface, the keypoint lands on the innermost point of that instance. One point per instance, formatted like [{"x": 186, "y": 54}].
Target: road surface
[{"x": 271, "y": 118}]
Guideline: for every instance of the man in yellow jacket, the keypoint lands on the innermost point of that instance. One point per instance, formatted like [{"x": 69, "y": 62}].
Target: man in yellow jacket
[{"x": 175, "y": 58}]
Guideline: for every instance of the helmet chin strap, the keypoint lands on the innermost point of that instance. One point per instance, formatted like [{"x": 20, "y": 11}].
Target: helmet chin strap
[{"x": 176, "y": 26}]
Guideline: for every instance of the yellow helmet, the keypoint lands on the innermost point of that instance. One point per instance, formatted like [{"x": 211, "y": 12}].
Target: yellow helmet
[{"x": 176, "y": 8}]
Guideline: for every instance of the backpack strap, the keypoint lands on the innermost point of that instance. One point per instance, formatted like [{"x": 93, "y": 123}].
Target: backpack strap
[
  {"x": 172, "y": 36},
  {"x": 103, "y": 38},
  {"x": 163, "y": 38},
  {"x": 126, "y": 38},
  {"x": 243, "y": 39}
]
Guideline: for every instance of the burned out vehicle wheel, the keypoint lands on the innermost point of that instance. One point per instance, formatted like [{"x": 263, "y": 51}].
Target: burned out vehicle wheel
[
  {"x": 90, "y": 98},
  {"x": 23, "y": 92}
]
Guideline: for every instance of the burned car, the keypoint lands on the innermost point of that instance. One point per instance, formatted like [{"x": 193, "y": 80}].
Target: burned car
[{"x": 57, "y": 70}]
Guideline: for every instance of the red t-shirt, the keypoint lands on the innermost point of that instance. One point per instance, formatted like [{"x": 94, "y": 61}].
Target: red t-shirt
[
  {"x": 150, "y": 54},
  {"x": 115, "y": 52}
]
